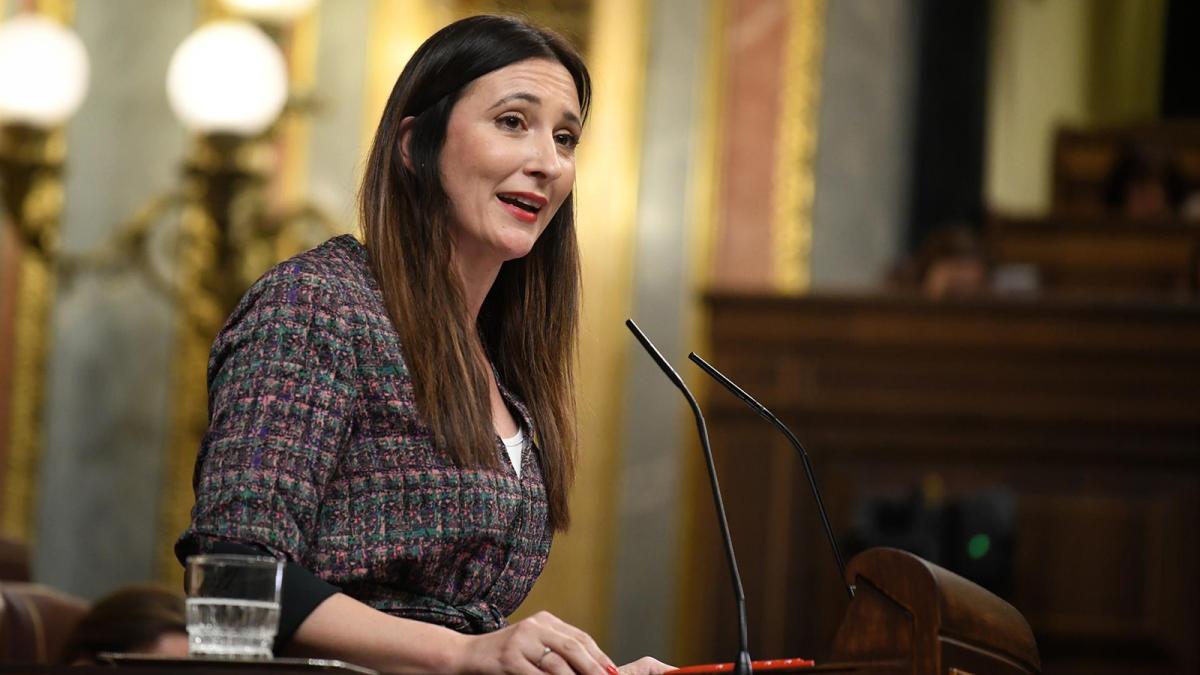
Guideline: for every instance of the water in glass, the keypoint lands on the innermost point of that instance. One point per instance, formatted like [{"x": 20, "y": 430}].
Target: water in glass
[{"x": 224, "y": 627}]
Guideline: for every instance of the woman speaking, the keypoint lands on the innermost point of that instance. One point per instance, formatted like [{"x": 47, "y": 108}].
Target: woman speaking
[{"x": 396, "y": 418}]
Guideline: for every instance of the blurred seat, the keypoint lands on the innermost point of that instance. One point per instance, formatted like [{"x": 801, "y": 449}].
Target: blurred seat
[
  {"x": 1098, "y": 256},
  {"x": 1084, "y": 160},
  {"x": 14, "y": 560},
  {"x": 35, "y": 622}
]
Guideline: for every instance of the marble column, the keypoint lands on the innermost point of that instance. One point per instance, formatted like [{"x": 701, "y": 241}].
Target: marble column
[
  {"x": 865, "y": 130},
  {"x": 649, "y": 496}
]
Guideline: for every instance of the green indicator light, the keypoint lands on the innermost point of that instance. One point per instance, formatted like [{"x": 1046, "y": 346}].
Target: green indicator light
[{"x": 978, "y": 546}]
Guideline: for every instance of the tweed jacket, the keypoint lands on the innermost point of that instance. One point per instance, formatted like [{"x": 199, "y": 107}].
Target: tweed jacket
[{"x": 316, "y": 451}]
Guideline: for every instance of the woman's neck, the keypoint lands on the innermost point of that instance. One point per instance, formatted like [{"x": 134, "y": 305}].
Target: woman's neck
[{"x": 477, "y": 279}]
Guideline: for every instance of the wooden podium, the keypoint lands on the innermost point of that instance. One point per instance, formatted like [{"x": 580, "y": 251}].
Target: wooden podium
[{"x": 911, "y": 616}]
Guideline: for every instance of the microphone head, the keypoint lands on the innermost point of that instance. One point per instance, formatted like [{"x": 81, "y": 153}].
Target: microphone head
[{"x": 655, "y": 354}]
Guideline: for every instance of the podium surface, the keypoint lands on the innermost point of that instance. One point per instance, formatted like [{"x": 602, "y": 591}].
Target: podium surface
[{"x": 911, "y": 616}]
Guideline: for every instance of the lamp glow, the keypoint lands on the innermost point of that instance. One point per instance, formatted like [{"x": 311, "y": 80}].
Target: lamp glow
[
  {"x": 43, "y": 71},
  {"x": 272, "y": 11},
  {"x": 227, "y": 77}
]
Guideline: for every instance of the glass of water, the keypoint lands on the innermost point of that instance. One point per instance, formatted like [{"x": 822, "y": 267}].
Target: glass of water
[{"x": 232, "y": 605}]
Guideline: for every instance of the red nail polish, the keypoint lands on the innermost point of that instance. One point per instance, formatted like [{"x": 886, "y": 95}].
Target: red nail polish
[{"x": 611, "y": 669}]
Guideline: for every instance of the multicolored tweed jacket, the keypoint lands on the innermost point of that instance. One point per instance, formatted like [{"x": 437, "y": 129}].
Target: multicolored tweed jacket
[{"x": 316, "y": 451}]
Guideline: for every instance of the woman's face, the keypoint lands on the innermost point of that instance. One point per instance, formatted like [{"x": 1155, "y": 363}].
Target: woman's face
[{"x": 508, "y": 160}]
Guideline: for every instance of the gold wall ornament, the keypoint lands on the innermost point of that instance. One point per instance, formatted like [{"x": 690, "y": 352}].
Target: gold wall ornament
[
  {"x": 32, "y": 195},
  {"x": 31, "y": 185},
  {"x": 795, "y": 184},
  {"x": 35, "y": 287}
]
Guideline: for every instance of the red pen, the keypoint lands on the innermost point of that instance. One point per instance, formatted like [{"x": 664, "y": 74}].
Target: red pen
[{"x": 768, "y": 665}]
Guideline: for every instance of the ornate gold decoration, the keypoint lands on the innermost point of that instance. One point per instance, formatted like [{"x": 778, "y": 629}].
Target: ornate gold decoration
[
  {"x": 30, "y": 163},
  {"x": 34, "y": 288},
  {"x": 31, "y": 186},
  {"x": 794, "y": 182}
]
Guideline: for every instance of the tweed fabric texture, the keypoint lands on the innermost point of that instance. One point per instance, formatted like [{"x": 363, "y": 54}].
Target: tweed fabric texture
[{"x": 317, "y": 452}]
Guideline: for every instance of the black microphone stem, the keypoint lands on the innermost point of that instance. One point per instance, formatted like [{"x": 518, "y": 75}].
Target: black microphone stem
[
  {"x": 808, "y": 469},
  {"x": 742, "y": 666}
]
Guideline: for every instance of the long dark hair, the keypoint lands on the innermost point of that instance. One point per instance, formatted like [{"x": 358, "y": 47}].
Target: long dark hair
[{"x": 528, "y": 324}]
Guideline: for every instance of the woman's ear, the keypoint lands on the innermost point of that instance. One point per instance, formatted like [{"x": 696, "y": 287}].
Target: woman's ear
[{"x": 406, "y": 127}]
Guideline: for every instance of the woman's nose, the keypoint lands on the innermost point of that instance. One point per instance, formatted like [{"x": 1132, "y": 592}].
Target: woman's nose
[{"x": 544, "y": 161}]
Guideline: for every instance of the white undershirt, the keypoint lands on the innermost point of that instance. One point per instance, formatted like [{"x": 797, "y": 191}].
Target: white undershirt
[{"x": 514, "y": 445}]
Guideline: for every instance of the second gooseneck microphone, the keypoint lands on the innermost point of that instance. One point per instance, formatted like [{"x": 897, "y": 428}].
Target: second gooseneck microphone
[
  {"x": 808, "y": 469},
  {"x": 742, "y": 665}
]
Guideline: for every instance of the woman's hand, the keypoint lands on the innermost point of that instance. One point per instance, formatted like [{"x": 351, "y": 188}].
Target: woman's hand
[
  {"x": 344, "y": 628},
  {"x": 543, "y": 643},
  {"x": 645, "y": 666}
]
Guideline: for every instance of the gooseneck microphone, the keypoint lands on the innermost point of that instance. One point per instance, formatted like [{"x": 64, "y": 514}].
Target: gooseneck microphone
[
  {"x": 808, "y": 469},
  {"x": 742, "y": 664}
]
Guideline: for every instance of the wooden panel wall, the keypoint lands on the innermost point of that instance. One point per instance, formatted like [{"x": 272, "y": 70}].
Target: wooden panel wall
[{"x": 1087, "y": 413}]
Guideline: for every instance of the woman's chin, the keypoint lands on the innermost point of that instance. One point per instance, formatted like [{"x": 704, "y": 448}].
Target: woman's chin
[{"x": 517, "y": 250}]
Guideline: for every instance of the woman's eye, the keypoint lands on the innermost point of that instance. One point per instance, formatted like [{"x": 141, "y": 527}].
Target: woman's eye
[
  {"x": 566, "y": 139},
  {"x": 510, "y": 122}
]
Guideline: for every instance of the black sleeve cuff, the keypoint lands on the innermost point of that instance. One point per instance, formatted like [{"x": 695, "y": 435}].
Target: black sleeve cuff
[{"x": 301, "y": 593}]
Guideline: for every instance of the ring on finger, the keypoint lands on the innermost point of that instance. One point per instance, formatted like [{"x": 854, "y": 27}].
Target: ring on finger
[{"x": 545, "y": 651}]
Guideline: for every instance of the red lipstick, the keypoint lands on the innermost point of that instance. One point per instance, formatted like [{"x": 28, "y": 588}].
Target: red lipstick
[{"x": 523, "y": 206}]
